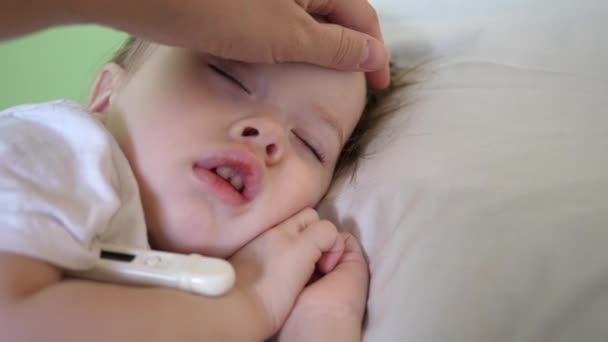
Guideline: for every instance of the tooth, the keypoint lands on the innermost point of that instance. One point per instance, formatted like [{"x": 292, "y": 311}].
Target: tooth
[
  {"x": 237, "y": 182},
  {"x": 224, "y": 172}
]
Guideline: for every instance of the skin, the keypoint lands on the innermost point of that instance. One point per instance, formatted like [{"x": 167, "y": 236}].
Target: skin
[
  {"x": 273, "y": 267},
  {"x": 244, "y": 30},
  {"x": 198, "y": 112},
  {"x": 31, "y": 290}
]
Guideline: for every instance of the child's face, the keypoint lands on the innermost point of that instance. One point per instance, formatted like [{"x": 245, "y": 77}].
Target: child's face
[{"x": 178, "y": 120}]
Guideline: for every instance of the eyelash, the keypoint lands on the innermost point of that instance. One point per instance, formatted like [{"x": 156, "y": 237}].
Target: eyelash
[
  {"x": 229, "y": 77},
  {"x": 320, "y": 157}
]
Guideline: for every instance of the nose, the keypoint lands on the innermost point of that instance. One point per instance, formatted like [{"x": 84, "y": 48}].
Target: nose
[{"x": 263, "y": 133}]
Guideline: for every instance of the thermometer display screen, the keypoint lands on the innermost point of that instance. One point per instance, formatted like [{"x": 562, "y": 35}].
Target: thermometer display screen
[{"x": 124, "y": 257}]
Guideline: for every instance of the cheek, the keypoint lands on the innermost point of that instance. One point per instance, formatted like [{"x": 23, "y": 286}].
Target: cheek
[
  {"x": 150, "y": 90},
  {"x": 302, "y": 187},
  {"x": 159, "y": 119}
]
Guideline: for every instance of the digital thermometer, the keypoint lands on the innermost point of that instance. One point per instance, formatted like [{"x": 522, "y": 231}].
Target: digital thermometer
[{"x": 193, "y": 273}]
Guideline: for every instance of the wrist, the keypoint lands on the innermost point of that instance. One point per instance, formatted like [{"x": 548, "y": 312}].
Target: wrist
[
  {"x": 63, "y": 12},
  {"x": 83, "y": 11},
  {"x": 134, "y": 17},
  {"x": 108, "y": 13},
  {"x": 21, "y": 17}
]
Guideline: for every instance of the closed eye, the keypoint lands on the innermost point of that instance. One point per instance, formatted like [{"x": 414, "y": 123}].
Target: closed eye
[
  {"x": 229, "y": 77},
  {"x": 320, "y": 157}
]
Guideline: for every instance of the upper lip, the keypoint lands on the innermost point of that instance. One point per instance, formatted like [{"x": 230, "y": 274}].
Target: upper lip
[{"x": 241, "y": 161}]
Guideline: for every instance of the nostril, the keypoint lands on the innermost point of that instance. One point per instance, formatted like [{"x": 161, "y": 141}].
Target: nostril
[
  {"x": 271, "y": 149},
  {"x": 250, "y": 132}
]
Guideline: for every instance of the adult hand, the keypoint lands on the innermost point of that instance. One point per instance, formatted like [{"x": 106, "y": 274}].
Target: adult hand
[
  {"x": 257, "y": 31},
  {"x": 264, "y": 31}
]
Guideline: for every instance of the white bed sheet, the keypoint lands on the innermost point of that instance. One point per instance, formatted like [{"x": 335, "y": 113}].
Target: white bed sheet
[{"x": 485, "y": 216}]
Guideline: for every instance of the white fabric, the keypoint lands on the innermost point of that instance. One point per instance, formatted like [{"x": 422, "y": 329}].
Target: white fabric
[
  {"x": 485, "y": 214},
  {"x": 64, "y": 185}
]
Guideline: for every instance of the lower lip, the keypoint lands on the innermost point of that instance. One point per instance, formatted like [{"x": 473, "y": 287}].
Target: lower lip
[{"x": 218, "y": 187}]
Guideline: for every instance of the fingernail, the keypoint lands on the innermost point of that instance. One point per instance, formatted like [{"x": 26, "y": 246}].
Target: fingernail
[
  {"x": 371, "y": 57},
  {"x": 365, "y": 54}
]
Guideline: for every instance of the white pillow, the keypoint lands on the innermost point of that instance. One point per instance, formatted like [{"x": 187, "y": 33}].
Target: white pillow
[{"x": 485, "y": 218}]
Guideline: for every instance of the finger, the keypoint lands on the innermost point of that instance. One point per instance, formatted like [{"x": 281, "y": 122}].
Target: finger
[
  {"x": 379, "y": 79},
  {"x": 362, "y": 17},
  {"x": 355, "y": 14},
  {"x": 352, "y": 249},
  {"x": 352, "y": 260},
  {"x": 300, "y": 220},
  {"x": 330, "y": 259},
  {"x": 338, "y": 47},
  {"x": 318, "y": 238}
]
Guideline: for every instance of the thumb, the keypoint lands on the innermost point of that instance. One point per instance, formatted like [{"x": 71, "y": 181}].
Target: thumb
[{"x": 341, "y": 48}]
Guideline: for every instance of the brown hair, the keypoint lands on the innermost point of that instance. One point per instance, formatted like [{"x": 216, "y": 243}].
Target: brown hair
[{"x": 380, "y": 104}]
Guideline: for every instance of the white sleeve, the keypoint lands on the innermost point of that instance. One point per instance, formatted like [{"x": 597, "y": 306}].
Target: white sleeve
[{"x": 57, "y": 187}]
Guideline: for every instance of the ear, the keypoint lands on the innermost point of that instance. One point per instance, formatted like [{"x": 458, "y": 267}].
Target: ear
[{"x": 106, "y": 84}]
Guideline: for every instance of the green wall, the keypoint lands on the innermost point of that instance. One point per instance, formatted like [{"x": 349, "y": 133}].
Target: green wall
[{"x": 53, "y": 64}]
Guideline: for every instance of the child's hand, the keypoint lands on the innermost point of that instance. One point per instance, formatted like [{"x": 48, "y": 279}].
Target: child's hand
[
  {"x": 332, "y": 307},
  {"x": 274, "y": 268},
  {"x": 342, "y": 288}
]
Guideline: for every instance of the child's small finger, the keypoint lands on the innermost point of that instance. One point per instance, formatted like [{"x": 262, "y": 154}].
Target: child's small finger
[
  {"x": 350, "y": 243},
  {"x": 318, "y": 238},
  {"x": 353, "y": 253},
  {"x": 330, "y": 259},
  {"x": 300, "y": 221}
]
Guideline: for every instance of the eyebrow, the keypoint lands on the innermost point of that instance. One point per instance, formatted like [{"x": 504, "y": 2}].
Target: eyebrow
[{"x": 330, "y": 119}]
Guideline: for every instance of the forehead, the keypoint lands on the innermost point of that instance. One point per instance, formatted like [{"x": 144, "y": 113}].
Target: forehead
[{"x": 289, "y": 86}]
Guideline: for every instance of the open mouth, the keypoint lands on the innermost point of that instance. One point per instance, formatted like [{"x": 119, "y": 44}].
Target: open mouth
[
  {"x": 231, "y": 176},
  {"x": 234, "y": 176}
]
